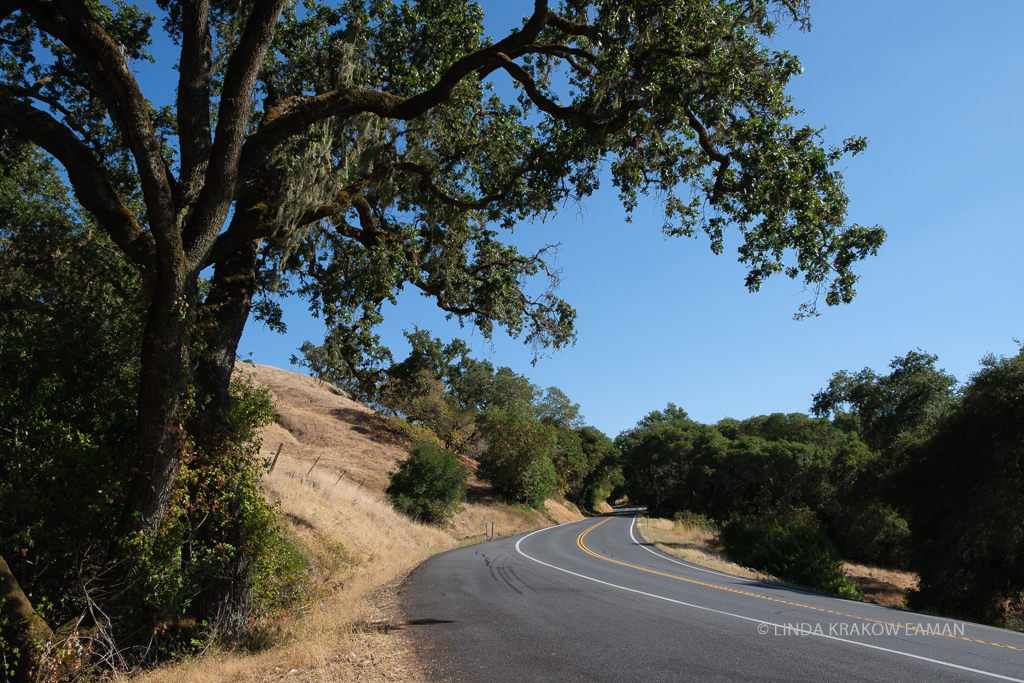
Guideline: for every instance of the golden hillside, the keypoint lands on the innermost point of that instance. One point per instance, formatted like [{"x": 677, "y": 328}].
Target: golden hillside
[{"x": 335, "y": 459}]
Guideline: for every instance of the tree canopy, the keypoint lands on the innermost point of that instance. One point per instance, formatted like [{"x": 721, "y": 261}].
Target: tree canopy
[
  {"x": 901, "y": 407},
  {"x": 346, "y": 151}
]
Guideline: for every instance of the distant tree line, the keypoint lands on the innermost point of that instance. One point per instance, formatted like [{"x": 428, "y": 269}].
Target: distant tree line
[
  {"x": 906, "y": 469},
  {"x": 529, "y": 443}
]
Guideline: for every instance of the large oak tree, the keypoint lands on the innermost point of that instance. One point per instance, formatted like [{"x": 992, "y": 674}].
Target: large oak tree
[{"x": 344, "y": 151}]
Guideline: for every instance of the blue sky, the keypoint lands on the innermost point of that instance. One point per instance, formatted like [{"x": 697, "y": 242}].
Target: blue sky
[{"x": 936, "y": 88}]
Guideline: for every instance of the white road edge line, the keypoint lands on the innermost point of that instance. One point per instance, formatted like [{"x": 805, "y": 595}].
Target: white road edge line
[
  {"x": 756, "y": 583},
  {"x": 739, "y": 579},
  {"x": 756, "y": 621},
  {"x": 743, "y": 580}
]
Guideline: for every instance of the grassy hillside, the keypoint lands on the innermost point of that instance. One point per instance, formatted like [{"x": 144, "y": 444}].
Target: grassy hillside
[{"x": 335, "y": 458}]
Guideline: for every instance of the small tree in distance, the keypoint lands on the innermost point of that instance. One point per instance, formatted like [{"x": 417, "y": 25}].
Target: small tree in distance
[
  {"x": 430, "y": 486},
  {"x": 517, "y": 461}
]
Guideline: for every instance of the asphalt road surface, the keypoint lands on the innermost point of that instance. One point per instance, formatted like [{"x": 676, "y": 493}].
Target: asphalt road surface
[{"x": 589, "y": 601}]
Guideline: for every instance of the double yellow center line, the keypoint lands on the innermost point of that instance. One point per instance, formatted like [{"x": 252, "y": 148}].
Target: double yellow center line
[{"x": 906, "y": 627}]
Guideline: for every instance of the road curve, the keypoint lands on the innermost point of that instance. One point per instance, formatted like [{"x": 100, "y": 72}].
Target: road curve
[{"x": 589, "y": 601}]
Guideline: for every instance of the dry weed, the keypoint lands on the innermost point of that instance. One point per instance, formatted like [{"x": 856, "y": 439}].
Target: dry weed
[
  {"x": 693, "y": 544},
  {"x": 887, "y": 587}
]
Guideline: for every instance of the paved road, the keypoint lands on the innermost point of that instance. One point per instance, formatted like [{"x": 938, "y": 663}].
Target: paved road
[{"x": 588, "y": 601}]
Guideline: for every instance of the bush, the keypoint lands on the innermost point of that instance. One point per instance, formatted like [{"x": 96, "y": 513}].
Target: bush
[
  {"x": 694, "y": 520},
  {"x": 875, "y": 534},
  {"x": 791, "y": 552},
  {"x": 430, "y": 486}
]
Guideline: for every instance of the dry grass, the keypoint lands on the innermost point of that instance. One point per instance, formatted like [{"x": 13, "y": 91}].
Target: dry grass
[
  {"x": 693, "y": 544},
  {"x": 688, "y": 542},
  {"x": 882, "y": 586},
  {"x": 329, "y": 479},
  {"x": 357, "y": 545}
]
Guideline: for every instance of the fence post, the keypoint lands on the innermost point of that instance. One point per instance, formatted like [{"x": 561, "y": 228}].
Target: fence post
[
  {"x": 276, "y": 456},
  {"x": 314, "y": 464}
]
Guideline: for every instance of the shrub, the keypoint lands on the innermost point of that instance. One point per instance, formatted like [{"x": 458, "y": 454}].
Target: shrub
[
  {"x": 694, "y": 520},
  {"x": 875, "y": 534},
  {"x": 430, "y": 486},
  {"x": 791, "y": 552}
]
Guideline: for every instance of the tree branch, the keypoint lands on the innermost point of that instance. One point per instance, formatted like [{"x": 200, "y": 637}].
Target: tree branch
[
  {"x": 571, "y": 114},
  {"x": 232, "y": 125},
  {"x": 294, "y": 115},
  {"x": 705, "y": 143},
  {"x": 251, "y": 225},
  {"x": 87, "y": 175},
  {"x": 70, "y": 22},
  {"x": 569, "y": 27},
  {"x": 564, "y": 52},
  {"x": 69, "y": 117},
  {"x": 194, "y": 82},
  {"x": 427, "y": 184}
]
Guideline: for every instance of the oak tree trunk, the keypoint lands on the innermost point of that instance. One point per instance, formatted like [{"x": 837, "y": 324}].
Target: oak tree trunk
[
  {"x": 162, "y": 383},
  {"x": 222, "y": 320},
  {"x": 20, "y": 627}
]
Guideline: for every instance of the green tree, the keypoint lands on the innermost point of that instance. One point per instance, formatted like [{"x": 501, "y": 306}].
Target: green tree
[
  {"x": 71, "y": 323},
  {"x": 344, "y": 152},
  {"x": 430, "y": 485},
  {"x": 891, "y": 414},
  {"x": 557, "y": 409},
  {"x": 604, "y": 468},
  {"x": 788, "y": 468},
  {"x": 517, "y": 461},
  {"x": 571, "y": 464},
  {"x": 656, "y": 458},
  {"x": 70, "y": 331},
  {"x": 965, "y": 500},
  {"x": 427, "y": 389},
  {"x": 902, "y": 407}
]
